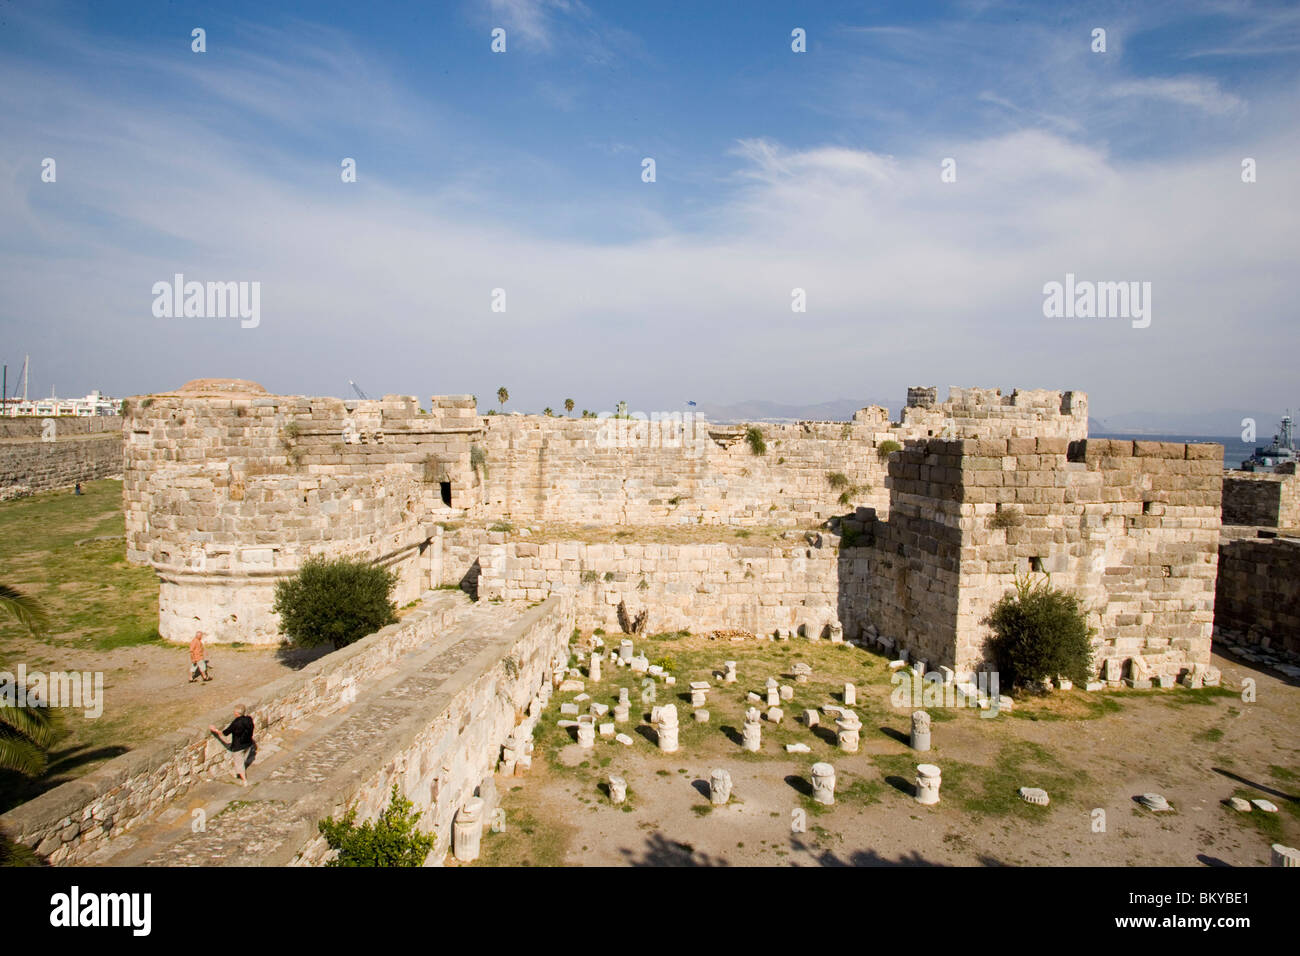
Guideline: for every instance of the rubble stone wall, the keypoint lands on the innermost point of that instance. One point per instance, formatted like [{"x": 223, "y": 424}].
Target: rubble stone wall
[
  {"x": 1258, "y": 598},
  {"x": 1261, "y": 499},
  {"x": 30, "y": 465},
  {"x": 67, "y": 823}
]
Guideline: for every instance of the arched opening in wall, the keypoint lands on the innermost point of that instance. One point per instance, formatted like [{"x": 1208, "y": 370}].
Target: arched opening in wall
[{"x": 445, "y": 486}]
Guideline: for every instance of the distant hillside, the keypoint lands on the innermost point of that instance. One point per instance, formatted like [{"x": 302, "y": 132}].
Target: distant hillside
[{"x": 1212, "y": 424}]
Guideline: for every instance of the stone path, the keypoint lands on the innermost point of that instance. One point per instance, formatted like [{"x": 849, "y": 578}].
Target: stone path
[{"x": 309, "y": 772}]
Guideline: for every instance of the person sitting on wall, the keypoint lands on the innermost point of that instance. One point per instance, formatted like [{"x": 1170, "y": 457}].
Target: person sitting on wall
[{"x": 198, "y": 658}]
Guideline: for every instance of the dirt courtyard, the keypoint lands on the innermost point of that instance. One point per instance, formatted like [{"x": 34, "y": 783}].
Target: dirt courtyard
[{"x": 1092, "y": 752}]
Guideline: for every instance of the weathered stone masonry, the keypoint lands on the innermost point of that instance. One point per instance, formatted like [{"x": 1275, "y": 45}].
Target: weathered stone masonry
[{"x": 83, "y": 449}]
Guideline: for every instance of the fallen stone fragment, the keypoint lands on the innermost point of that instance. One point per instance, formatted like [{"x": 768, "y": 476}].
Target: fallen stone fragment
[
  {"x": 1268, "y": 806},
  {"x": 1035, "y": 795},
  {"x": 1154, "y": 801},
  {"x": 1238, "y": 804}
]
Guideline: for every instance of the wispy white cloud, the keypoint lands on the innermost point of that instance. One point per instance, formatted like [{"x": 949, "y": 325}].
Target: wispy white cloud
[
  {"x": 389, "y": 282},
  {"x": 1203, "y": 93}
]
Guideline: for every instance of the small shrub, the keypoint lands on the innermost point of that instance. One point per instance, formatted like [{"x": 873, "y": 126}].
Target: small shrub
[
  {"x": 335, "y": 602},
  {"x": 675, "y": 500},
  {"x": 667, "y": 662},
  {"x": 505, "y": 526},
  {"x": 754, "y": 436},
  {"x": 1039, "y": 632},
  {"x": 478, "y": 459},
  {"x": 392, "y": 840},
  {"x": 837, "y": 480},
  {"x": 589, "y": 577},
  {"x": 887, "y": 448},
  {"x": 1007, "y": 518}
]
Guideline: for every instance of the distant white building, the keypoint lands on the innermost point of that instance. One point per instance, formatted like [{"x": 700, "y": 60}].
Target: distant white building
[{"x": 92, "y": 404}]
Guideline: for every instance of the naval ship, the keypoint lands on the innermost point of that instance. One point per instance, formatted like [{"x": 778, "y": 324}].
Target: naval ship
[{"x": 1280, "y": 452}]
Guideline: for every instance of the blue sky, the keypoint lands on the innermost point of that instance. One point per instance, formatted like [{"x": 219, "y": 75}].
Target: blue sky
[{"x": 775, "y": 170}]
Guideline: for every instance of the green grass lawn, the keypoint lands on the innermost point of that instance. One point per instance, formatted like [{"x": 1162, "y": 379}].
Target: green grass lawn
[{"x": 69, "y": 552}]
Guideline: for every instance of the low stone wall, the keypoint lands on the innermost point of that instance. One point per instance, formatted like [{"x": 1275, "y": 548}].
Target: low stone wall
[
  {"x": 1258, "y": 596},
  {"x": 696, "y": 587},
  {"x": 1261, "y": 499},
  {"x": 31, "y": 466},
  {"x": 69, "y": 822},
  {"x": 452, "y": 746},
  {"x": 33, "y": 426}
]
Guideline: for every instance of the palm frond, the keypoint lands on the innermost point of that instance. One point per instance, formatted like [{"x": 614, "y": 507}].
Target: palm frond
[
  {"x": 37, "y": 724},
  {"x": 27, "y": 611},
  {"x": 20, "y": 754}
]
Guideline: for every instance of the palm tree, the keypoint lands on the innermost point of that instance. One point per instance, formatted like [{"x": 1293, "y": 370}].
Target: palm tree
[
  {"x": 568, "y": 406},
  {"x": 503, "y": 395},
  {"x": 548, "y": 411},
  {"x": 25, "y": 732}
]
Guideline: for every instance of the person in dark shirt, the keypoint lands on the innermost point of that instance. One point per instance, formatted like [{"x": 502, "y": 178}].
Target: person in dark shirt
[{"x": 241, "y": 743}]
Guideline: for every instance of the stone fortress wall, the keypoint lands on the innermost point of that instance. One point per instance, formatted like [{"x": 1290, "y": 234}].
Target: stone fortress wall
[
  {"x": 1258, "y": 599},
  {"x": 228, "y": 489},
  {"x": 36, "y": 457},
  {"x": 1130, "y": 527}
]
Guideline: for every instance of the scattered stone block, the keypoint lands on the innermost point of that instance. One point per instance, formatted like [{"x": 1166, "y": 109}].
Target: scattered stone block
[
  {"x": 775, "y": 715},
  {"x": 569, "y": 709},
  {"x": 701, "y": 716},
  {"x": 607, "y": 729},
  {"x": 787, "y": 692},
  {"x": 849, "y": 731},
  {"x": 624, "y": 739},
  {"x": 1239, "y": 804},
  {"x": 920, "y": 739},
  {"x": 1268, "y": 806},
  {"x": 810, "y": 718},
  {"x": 617, "y": 789},
  {"x": 928, "y": 780},
  {"x": 1280, "y": 855},
  {"x": 1154, "y": 801},
  {"x": 467, "y": 830},
  {"x": 797, "y": 748},
  {"x": 719, "y": 787},
  {"x": 823, "y": 783},
  {"x": 1034, "y": 795},
  {"x": 570, "y": 686},
  {"x": 752, "y": 731}
]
